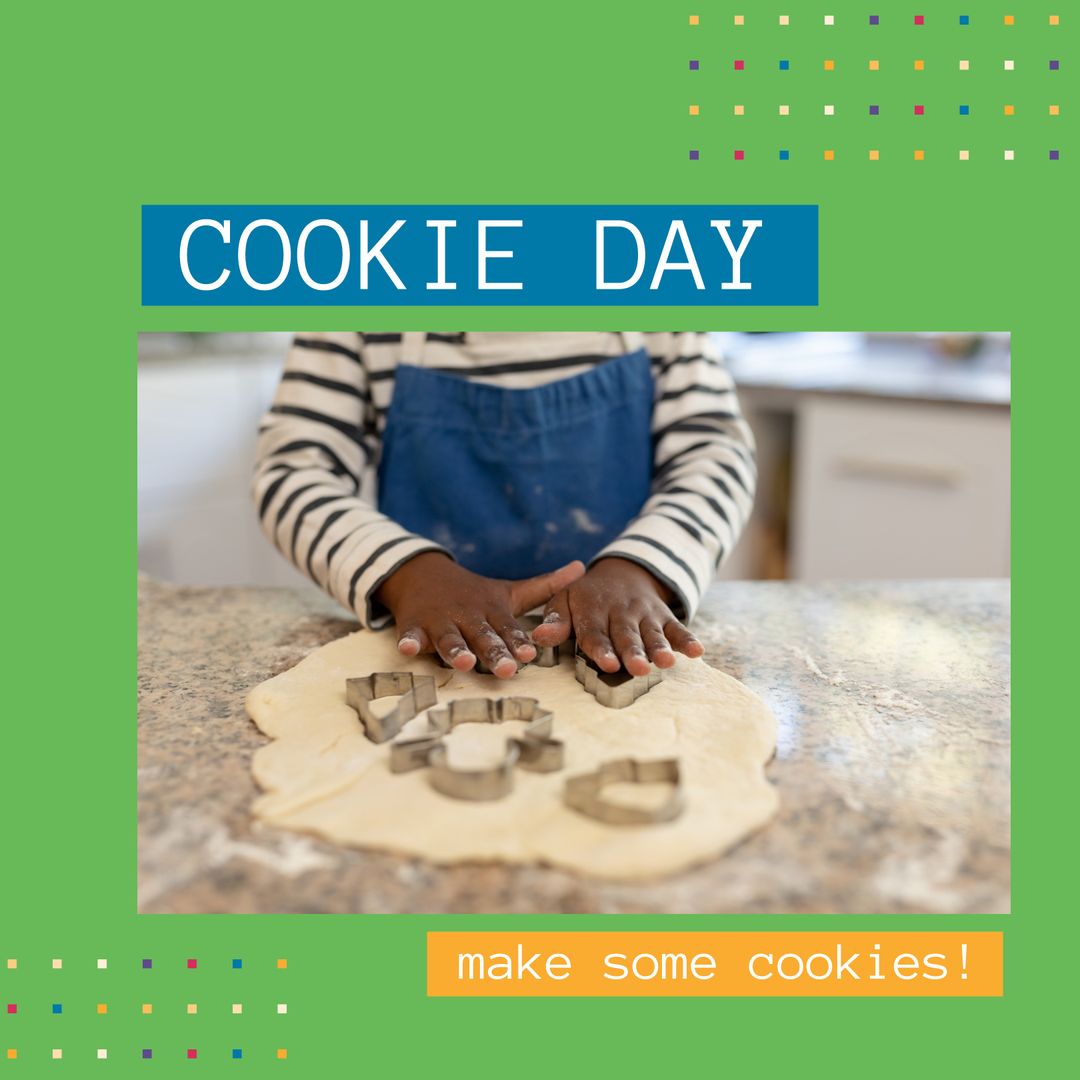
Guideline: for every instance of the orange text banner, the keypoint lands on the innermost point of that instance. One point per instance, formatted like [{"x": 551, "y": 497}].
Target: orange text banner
[{"x": 726, "y": 964}]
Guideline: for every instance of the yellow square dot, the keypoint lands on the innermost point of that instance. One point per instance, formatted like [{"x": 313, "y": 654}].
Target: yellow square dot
[
  {"x": 282, "y": 963},
  {"x": 830, "y": 155},
  {"x": 920, "y": 155},
  {"x": 1055, "y": 110},
  {"x": 740, "y": 110},
  {"x": 965, "y": 65},
  {"x": 57, "y": 965},
  {"x": 964, "y": 155},
  {"x": 1010, "y": 20},
  {"x": 694, "y": 110},
  {"x": 830, "y": 65},
  {"x": 875, "y": 64},
  {"x": 785, "y": 110},
  {"x": 920, "y": 65},
  {"x": 192, "y": 1009},
  {"x": 739, "y": 20},
  {"x": 694, "y": 20},
  {"x": 785, "y": 20},
  {"x": 102, "y": 1009},
  {"x": 58, "y": 1055},
  {"x": 147, "y": 1009},
  {"x": 282, "y": 1054},
  {"x": 237, "y": 1008},
  {"x": 1010, "y": 110},
  {"x": 873, "y": 155},
  {"x": 1054, "y": 20}
]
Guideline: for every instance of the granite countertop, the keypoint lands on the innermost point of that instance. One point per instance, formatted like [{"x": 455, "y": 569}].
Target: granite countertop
[{"x": 892, "y": 761}]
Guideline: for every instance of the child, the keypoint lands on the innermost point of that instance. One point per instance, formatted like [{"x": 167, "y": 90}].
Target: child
[{"x": 449, "y": 482}]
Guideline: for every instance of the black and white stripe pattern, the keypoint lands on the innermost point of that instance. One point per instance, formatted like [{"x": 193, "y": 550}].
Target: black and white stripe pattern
[{"x": 319, "y": 445}]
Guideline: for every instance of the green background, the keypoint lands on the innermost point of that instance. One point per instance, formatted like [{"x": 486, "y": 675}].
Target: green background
[{"x": 112, "y": 107}]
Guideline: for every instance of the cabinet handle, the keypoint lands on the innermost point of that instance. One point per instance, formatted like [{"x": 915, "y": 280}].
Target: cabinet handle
[{"x": 897, "y": 472}]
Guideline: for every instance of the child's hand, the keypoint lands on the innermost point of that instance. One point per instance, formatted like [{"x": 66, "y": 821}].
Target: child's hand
[
  {"x": 441, "y": 607},
  {"x": 618, "y": 611}
]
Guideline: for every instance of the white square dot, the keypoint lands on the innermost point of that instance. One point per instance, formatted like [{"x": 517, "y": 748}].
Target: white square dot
[
  {"x": 830, "y": 20},
  {"x": 1010, "y": 65},
  {"x": 237, "y": 1008},
  {"x": 965, "y": 65},
  {"x": 830, "y": 110},
  {"x": 57, "y": 1055},
  {"x": 784, "y": 110},
  {"x": 102, "y": 1055},
  {"x": 1010, "y": 155},
  {"x": 784, "y": 20},
  {"x": 964, "y": 155},
  {"x": 102, "y": 965},
  {"x": 57, "y": 964},
  {"x": 282, "y": 1008}
]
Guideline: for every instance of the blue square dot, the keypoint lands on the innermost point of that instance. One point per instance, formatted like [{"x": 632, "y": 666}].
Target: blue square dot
[
  {"x": 784, "y": 155},
  {"x": 694, "y": 155},
  {"x": 57, "y": 1010},
  {"x": 964, "y": 20},
  {"x": 1055, "y": 155},
  {"x": 784, "y": 65},
  {"x": 874, "y": 110},
  {"x": 147, "y": 964},
  {"x": 147, "y": 1054},
  {"x": 238, "y": 963},
  {"x": 1055, "y": 64},
  {"x": 237, "y": 1054},
  {"x": 965, "y": 109},
  {"x": 874, "y": 20},
  {"x": 694, "y": 65}
]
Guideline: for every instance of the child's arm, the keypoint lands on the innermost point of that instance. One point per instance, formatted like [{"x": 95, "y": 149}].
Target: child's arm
[
  {"x": 638, "y": 592},
  {"x": 313, "y": 482}
]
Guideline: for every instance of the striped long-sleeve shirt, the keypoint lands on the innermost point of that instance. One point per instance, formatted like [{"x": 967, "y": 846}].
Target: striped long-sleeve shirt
[{"x": 319, "y": 445}]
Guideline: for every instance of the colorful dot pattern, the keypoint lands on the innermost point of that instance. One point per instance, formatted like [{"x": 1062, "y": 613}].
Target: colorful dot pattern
[
  {"x": 21, "y": 1003},
  {"x": 825, "y": 65}
]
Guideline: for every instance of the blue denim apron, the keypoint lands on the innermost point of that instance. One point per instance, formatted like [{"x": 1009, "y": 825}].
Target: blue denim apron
[{"x": 517, "y": 482}]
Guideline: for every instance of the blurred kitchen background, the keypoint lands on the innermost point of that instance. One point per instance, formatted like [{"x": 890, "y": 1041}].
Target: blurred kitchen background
[{"x": 880, "y": 456}]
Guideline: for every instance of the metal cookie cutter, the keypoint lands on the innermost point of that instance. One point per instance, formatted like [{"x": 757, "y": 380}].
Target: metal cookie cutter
[
  {"x": 534, "y": 749},
  {"x": 586, "y": 793},
  {"x": 615, "y": 690},
  {"x": 418, "y": 693}
]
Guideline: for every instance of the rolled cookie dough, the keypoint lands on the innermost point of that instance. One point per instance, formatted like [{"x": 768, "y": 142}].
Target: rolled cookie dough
[{"x": 321, "y": 774}]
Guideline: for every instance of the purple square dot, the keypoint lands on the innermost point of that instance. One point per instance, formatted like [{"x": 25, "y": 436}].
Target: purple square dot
[
  {"x": 148, "y": 963},
  {"x": 694, "y": 65},
  {"x": 874, "y": 20},
  {"x": 693, "y": 155},
  {"x": 1054, "y": 65},
  {"x": 1054, "y": 154},
  {"x": 148, "y": 1053},
  {"x": 874, "y": 110}
]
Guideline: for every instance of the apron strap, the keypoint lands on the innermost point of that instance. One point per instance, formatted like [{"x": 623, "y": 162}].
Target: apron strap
[
  {"x": 412, "y": 348},
  {"x": 633, "y": 340}
]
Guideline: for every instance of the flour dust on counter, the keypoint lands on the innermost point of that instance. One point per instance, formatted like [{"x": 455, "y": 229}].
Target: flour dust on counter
[{"x": 321, "y": 774}]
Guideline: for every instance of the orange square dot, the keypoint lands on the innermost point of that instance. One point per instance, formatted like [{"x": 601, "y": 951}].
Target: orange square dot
[
  {"x": 740, "y": 110},
  {"x": 192, "y": 1009},
  {"x": 920, "y": 65},
  {"x": 873, "y": 155},
  {"x": 147, "y": 1009},
  {"x": 1010, "y": 20},
  {"x": 283, "y": 963},
  {"x": 739, "y": 20},
  {"x": 694, "y": 20},
  {"x": 12, "y": 1054},
  {"x": 12, "y": 965},
  {"x": 282, "y": 1054},
  {"x": 695, "y": 109},
  {"x": 1055, "y": 110},
  {"x": 1010, "y": 110},
  {"x": 920, "y": 155},
  {"x": 102, "y": 1009},
  {"x": 1054, "y": 20},
  {"x": 830, "y": 65},
  {"x": 830, "y": 155},
  {"x": 875, "y": 64}
]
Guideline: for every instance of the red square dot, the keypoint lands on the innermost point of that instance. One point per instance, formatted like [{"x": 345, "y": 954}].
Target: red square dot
[
  {"x": 919, "y": 110},
  {"x": 739, "y": 65},
  {"x": 739, "y": 155},
  {"x": 919, "y": 20},
  {"x": 193, "y": 1053},
  {"x": 13, "y": 1009},
  {"x": 193, "y": 963}
]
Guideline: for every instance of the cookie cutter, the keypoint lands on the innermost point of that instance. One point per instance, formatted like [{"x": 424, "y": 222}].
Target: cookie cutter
[
  {"x": 585, "y": 793},
  {"x": 417, "y": 693},
  {"x": 534, "y": 750},
  {"x": 614, "y": 690}
]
